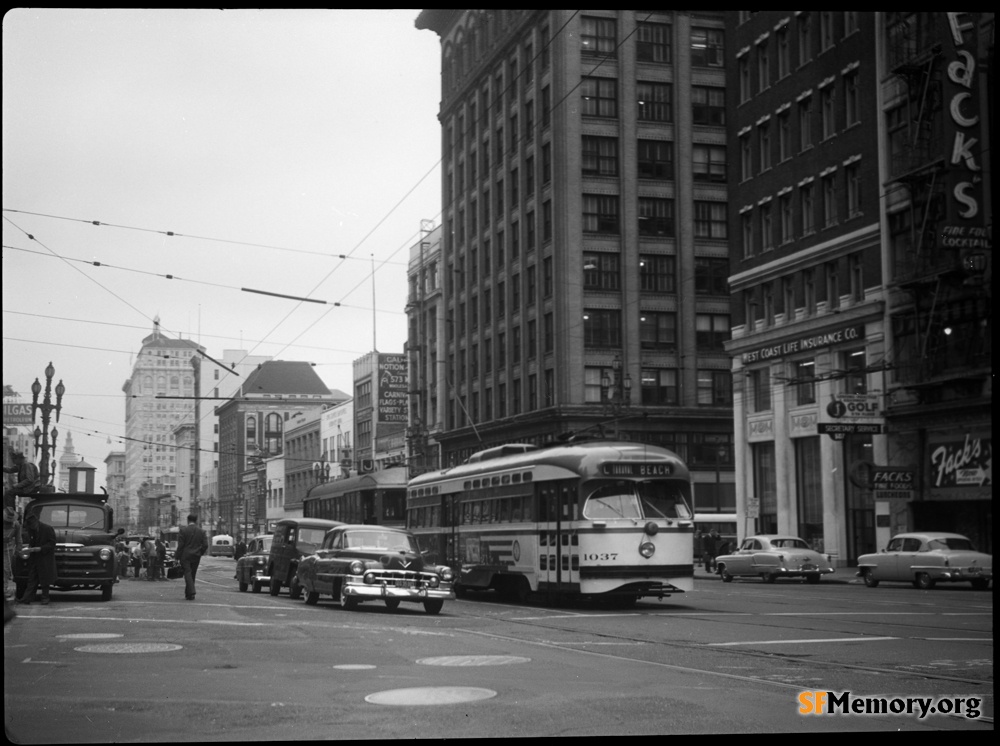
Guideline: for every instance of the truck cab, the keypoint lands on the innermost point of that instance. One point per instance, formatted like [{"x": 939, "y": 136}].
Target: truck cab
[{"x": 85, "y": 552}]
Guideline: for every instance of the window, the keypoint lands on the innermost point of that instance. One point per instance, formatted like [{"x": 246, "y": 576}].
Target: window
[
  {"x": 852, "y": 101},
  {"x": 710, "y": 220},
  {"x": 855, "y": 377},
  {"x": 808, "y": 208},
  {"x": 711, "y": 331},
  {"x": 784, "y": 53},
  {"x": 708, "y": 105},
  {"x": 746, "y": 157},
  {"x": 805, "y": 39},
  {"x": 829, "y": 200},
  {"x": 760, "y": 389},
  {"x": 805, "y": 123},
  {"x": 655, "y": 102},
  {"x": 715, "y": 388},
  {"x": 658, "y": 331},
  {"x": 599, "y": 97},
  {"x": 744, "y": 72},
  {"x": 856, "y": 268},
  {"x": 763, "y": 67},
  {"x": 787, "y": 224},
  {"x": 711, "y": 276},
  {"x": 766, "y": 227},
  {"x": 804, "y": 376},
  {"x": 600, "y": 156},
  {"x": 597, "y": 36},
  {"x": 659, "y": 386},
  {"x": 601, "y": 328},
  {"x": 746, "y": 228},
  {"x": 828, "y": 111},
  {"x": 850, "y": 22},
  {"x": 707, "y": 47},
  {"x": 826, "y": 38},
  {"x": 809, "y": 291},
  {"x": 547, "y": 220},
  {"x": 657, "y": 273},
  {"x": 709, "y": 163},
  {"x": 852, "y": 173},
  {"x": 784, "y": 136},
  {"x": 601, "y": 271},
  {"x": 656, "y": 216},
  {"x": 764, "y": 141},
  {"x": 600, "y": 214},
  {"x": 656, "y": 159},
  {"x": 653, "y": 42},
  {"x": 832, "y": 285}
]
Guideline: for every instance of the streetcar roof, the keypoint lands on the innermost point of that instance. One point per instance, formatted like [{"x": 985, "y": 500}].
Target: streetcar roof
[{"x": 569, "y": 461}]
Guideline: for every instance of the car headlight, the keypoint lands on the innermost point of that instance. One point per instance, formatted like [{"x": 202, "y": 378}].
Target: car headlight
[
  {"x": 370, "y": 578},
  {"x": 106, "y": 554},
  {"x": 357, "y": 567},
  {"x": 447, "y": 574},
  {"x": 646, "y": 549}
]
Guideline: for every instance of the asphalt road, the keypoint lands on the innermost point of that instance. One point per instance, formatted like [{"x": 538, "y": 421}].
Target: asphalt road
[{"x": 734, "y": 658}]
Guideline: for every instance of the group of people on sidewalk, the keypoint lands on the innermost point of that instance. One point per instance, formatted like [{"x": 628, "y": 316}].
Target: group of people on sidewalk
[{"x": 150, "y": 553}]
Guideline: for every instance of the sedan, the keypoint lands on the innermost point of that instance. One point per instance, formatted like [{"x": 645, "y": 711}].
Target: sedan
[
  {"x": 374, "y": 563},
  {"x": 772, "y": 556},
  {"x": 251, "y": 568},
  {"x": 925, "y": 558}
]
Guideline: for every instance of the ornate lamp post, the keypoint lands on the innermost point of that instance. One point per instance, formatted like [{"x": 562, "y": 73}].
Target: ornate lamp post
[
  {"x": 45, "y": 472},
  {"x": 616, "y": 391}
]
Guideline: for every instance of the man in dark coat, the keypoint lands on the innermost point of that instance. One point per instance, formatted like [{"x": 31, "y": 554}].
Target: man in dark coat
[
  {"x": 27, "y": 479},
  {"x": 41, "y": 558},
  {"x": 192, "y": 543}
]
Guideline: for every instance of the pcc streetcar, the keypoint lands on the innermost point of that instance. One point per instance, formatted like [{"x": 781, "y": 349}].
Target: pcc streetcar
[
  {"x": 597, "y": 519},
  {"x": 376, "y": 498}
]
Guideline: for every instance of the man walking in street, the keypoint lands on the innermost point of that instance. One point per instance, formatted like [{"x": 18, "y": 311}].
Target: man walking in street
[
  {"x": 192, "y": 543},
  {"x": 27, "y": 480},
  {"x": 41, "y": 558}
]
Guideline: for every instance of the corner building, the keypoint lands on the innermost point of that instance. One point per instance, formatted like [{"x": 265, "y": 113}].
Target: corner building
[
  {"x": 584, "y": 250},
  {"x": 809, "y": 341}
]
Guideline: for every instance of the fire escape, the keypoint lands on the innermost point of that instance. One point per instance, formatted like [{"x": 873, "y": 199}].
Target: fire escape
[{"x": 943, "y": 336}]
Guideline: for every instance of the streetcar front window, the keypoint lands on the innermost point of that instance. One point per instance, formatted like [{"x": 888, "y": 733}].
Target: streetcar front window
[
  {"x": 613, "y": 500},
  {"x": 663, "y": 500}
]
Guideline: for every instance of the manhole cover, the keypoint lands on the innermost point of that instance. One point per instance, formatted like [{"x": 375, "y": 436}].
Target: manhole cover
[
  {"x": 430, "y": 695},
  {"x": 90, "y": 636},
  {"x": 473, "y": 660},
  {"x": 129, "y": 647}
]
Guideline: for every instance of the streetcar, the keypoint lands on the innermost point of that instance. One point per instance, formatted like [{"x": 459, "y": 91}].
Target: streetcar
[
  {"x": 376, "y": 498},
  {"x": 602, "y": 519}
]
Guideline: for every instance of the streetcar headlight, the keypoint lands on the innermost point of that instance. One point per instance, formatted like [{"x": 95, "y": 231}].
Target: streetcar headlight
[
  {"x": 357, "y": 567},
  {"x": 646, "y": 549}
]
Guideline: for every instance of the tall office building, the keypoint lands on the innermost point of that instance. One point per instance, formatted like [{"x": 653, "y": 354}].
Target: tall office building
[{"x": 584, "y": 253}]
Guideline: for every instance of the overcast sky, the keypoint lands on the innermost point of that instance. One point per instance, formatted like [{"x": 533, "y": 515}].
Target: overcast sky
[{"x": 267, "y": 141}]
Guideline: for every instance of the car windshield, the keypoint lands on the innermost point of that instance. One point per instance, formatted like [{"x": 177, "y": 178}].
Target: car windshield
[
  {"x": 789, "y": 544},
  {"x": 371, "y": 539},
  {"x": 72, "y": 516},
  {"x": 310, "y": 539},
  {"x": 951, "y": 542},
  {"x": 637, "y": 500}
]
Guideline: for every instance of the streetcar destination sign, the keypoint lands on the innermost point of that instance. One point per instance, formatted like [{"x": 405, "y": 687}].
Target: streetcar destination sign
[{"x": 638, "y": 470}]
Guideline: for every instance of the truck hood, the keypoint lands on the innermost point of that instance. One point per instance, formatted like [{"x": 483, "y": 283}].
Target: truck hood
[{"x": 84, "y": 536}]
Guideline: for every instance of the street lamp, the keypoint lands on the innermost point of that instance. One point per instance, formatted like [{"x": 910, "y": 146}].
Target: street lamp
[
  {"x": 46, "y": 406},
  {"x": 616, "y": 391}
]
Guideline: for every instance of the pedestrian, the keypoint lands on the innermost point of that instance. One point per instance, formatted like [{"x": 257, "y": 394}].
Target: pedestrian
[
  {"x": 41, "y": 558},
  {"x": 240, "y": 550},
  {"x": 698, "y": 546},
  {"x": 11, "y": 549},
  {"x": 149, "y": 557},
  {"x": 710, "y": 545},
  {"x": 122, "y": 559},
  {"x": 27, "y": 480},
  {"x": 161, "y": 559},
  {"x": 136, "y": 560},
  {"x": 192, "y": 543}
]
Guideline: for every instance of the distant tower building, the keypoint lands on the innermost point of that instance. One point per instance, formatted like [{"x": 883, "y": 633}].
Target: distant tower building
[
  {"x": 584, "y": 251},
  {"x": 67, "y": 458}
]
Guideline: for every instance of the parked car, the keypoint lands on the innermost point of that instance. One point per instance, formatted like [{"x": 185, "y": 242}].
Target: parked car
[
  {"x": 369, "y": 563},
  {"x": 293, "y": 538},
  {"x": 925, "y": 558},
  {"x": 773, "y": 556},
  {"x": 222, "y": 546},
  {"x": 251, "y": 568}
]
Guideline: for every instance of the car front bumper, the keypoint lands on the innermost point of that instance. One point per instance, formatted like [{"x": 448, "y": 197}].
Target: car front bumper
[{"x": 361, "y": 590}]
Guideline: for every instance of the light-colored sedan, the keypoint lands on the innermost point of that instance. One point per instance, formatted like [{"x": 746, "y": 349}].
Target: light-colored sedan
[
  {"x": 925, "y": 558},
  {"x": 773, "y": 556}
]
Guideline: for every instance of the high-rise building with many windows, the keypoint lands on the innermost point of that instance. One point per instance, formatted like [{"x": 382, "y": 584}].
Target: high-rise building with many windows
[{"x": 585, "y": 249}]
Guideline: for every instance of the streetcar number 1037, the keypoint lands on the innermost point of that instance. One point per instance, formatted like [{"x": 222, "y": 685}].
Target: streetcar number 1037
[{"x": 601, "y": 556}]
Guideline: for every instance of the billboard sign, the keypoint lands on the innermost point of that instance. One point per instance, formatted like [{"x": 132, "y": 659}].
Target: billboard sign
[
  {"x": 392, "y": 388},
  {"x": 16, "y": 413}
]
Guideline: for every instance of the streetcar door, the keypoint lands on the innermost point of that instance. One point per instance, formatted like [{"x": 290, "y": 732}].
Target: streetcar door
[
  {"x": 450, "y": 518},
  {"x": 558, "y": 550}
]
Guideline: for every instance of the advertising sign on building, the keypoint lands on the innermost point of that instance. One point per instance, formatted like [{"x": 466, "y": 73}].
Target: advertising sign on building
[
  {"x": 392, "y": 386},
  {"x": 16, "y": 413},
  {"x": 891, "y": 483},
  {"x": 961, "y": 463}
]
